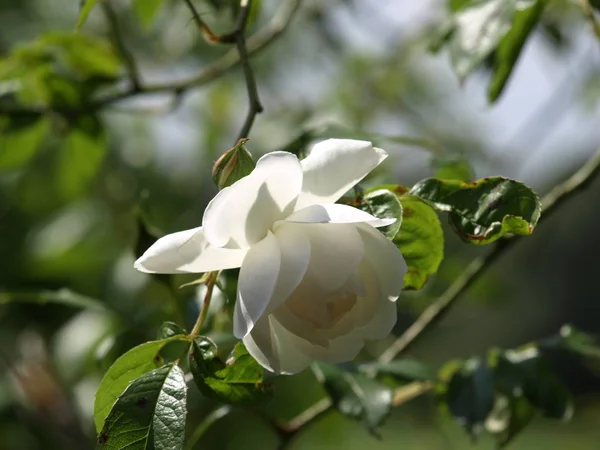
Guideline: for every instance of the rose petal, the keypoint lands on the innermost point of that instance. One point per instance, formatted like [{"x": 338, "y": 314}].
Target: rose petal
[
  {"x": 334, "y": 166},
  {"x": 256, "y": 284},
  {"x": 271, "y": 346},
  {"x": 335, "y": 213},
  {"x": 295, "y": 257},
  {"x": 385, "y": 259},
  {"x": 187, "y": 252},
  {"x": 241, "y": 214}
]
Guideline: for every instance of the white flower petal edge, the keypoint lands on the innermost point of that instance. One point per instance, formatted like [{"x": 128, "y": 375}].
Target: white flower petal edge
[
  {"x": 333, "y": 167},
  {"x": 241, "y": 214},
  {"x": 335, "y": 213},
  {"x": 188, "y": 252},
  {"x": 256, "y": 284}
]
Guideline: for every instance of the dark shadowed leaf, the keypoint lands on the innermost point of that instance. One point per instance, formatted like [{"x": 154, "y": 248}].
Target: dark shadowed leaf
[
  {"x": 133, "y": 364},
  {"x": 169, "y": 329},
  {"x": 508, "y": 418},
  {"x": 239, "y": 381},
  {"x": 355, "y": 395},
  {"x": 384, "y": 204},
  {"x": 470, "y": 394},
  {"x": 420, "y": 240},
  {"x": 485, "y": 210},
  {"x": 150, "y": 415},
  {"x": 526, "y": 18}
]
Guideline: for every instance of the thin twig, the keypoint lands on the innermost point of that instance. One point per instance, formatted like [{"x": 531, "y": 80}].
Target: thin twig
[
  {"x": 117, "y": 38},
  {"x": 207, "y": 33},
  {"x": 551, "y": 201},
  {"x": 210, "y": 285},
  {"x": 254, "y": 44},
  {"x": 588, "y": 11},
  {"x": 208, "y": 421},
  {"x": 255, "y": 105}
]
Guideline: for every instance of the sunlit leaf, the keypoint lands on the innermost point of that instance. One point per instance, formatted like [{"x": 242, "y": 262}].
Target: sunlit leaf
[
  {"x": 149, "y": 415},
  {"x": 356, "y": 395},
  {"x": 133, "y": 364},
  {"x": 79, "y": 161},
  {"x": 19, "y": 143},
  {"x": 479, "y": 27},
  {"x": 526, "y": 18},
  {"x": 146, "y": 11},
  {"x": 85, "y": 8},
  {"x": 420, "y": 240},
  {"x": 239, "y": 381},
  {"x": 485, "y": 210}
]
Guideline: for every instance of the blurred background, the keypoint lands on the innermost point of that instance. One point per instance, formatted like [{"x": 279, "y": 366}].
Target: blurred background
[{"x": 70, "y": 204}]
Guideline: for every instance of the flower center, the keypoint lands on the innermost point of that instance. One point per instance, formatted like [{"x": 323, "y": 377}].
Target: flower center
[{"x": 325, "y": 311}]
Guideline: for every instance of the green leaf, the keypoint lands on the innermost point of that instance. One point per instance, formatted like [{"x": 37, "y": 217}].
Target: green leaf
[
  {"x": 525, "y": 20},
  {"x": 470, "y": 394},
  {"x": 485, "y": 210},
  {"x": 527, "y": 372},
  {"x": 420, "y": 240},
  {"x": 20, "y": 142},
  {"x": 150, "y": 415},
  {"x": 239, "y": 382},
  {"x": 479, "y": 27},
  {"x": 356, "y": 395},
  {"x": 133, "y": 364},
  {"x": 84, "y": 11},
  {"x": 62, "y": 297},
  {"x": 575, "y": 341},
  {"x": 383, "y": 204},
  {"x": 146, "y": 11},
  {"x": 79, "y": 161},
  {"x": 452, "y": 169},
  {"x": 406, "y": 369},
  {"x": 508, "y": 418},
  {"x": 170, "y": 329}
]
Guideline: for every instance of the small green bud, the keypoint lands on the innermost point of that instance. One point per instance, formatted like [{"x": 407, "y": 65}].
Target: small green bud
[{"x": 233, "y": 165}]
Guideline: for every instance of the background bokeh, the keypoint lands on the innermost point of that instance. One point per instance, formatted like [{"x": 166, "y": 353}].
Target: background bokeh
[{"x": 72, "y": 221}]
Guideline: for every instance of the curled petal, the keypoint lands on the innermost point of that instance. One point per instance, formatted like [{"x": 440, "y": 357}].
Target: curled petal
[
  {"x": 336, "y": 213},
  {"x": 334, "y": 166},
  {"x": 256, "y": 284},
  {"x": 187, "y": 252},
  {"x": 274, "y": 349},
  {"x": 241, "y": 215},
  {"x": 385, "y": 259}
]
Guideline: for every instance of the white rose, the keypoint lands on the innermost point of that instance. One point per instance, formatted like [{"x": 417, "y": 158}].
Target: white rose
[{"x": 317, "y": 279}]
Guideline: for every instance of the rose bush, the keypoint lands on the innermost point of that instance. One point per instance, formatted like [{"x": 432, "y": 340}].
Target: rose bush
[{"x": 317, "y": 278}]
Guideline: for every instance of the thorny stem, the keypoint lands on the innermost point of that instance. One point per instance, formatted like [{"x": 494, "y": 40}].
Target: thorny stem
[{"x": 210, "y": 285}]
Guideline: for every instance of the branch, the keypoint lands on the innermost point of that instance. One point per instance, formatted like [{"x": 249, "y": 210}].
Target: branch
[
  {"x": 588, "y": 11},
  {"x": 129, "y": 60},
  {"x": 551, "y": 202},
  {"x": 254, "y": 44}
]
